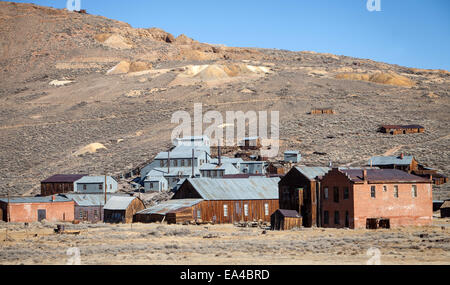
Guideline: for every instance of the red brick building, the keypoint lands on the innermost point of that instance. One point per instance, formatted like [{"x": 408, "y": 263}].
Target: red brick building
[
  {"x": 36, "y": 209},
  {"x": 353, "y": 197}
]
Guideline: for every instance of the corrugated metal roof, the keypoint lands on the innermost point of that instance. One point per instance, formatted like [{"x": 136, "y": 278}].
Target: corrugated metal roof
[
  {"x": 294, "y": 152},
  {"x": 227, "y": 167},
  {"x": 174, "y": 171},
  {"x": 185, "y": 152},
  {"x": 236, "y": 189},
  {"x": 383, "y": 175},
  {"x": 390, "y": 160},
  {"x": 311, "y": 172},
  {"x": 63, "y": 178},
  {"x": 87, "y": 200},
  {"x": 170, "y": 206},
  {"x": 93, "y": 179},
  {"x": 226, "y": 160},
  {"x": 118, "y": 203},
  {"x": 29, "y": 200}
]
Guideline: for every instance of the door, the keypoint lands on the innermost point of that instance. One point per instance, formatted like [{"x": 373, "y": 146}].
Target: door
[
  {"x": 347, "y": 220},
  {"x": 42, "y": 215}
]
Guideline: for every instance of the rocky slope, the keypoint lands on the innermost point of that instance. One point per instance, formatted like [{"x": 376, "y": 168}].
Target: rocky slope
[{"x": 83, "y": 93}]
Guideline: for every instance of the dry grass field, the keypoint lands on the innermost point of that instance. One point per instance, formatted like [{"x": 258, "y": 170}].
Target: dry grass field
[{"x": 160, "y": 244}]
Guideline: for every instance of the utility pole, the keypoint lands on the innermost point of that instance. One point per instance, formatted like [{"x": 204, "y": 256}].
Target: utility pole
[
  {"x": 106, "y": 189},
  {"x": 7, "y": 216}
]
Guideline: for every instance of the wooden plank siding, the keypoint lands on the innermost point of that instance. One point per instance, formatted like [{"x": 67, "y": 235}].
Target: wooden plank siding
[{"x": 48, "y": 189}]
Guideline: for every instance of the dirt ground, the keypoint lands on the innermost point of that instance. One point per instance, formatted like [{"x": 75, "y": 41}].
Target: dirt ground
[{"x": 160, "y": 244}]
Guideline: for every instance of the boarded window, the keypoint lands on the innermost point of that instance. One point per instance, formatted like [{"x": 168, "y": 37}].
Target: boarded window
[
  {"x": 336, "y": 194},
  {"x": 337, "y": 219},
  {"x": 182, "y": 163},
  {"x": 385, "y": 188},
  {"x": 325, "y": 193},
  {"x": 100, "y": 186},
  {"x": 346, "y": 193},
  {"x": 373, "y": 192},
  {"x": 175, "y": 163},
  {"x": 246, "y": 210},
  {"x": 84, "y": 187},
  {"x": 396, "y": 191},
  {"x": 414, "y": 191},
  {"x": 326, "y": 217},
  {"x": 225, "y": 210},
  {"x": 266, "y": 209}
]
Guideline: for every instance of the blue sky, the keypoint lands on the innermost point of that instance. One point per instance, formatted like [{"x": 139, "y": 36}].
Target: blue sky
[{"x": 414, "y": 33}]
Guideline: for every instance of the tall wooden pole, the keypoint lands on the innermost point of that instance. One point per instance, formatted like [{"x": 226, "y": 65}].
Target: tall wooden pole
[
  {"x": 8, "y": 219},
  {"x": 106, "y": 189}
]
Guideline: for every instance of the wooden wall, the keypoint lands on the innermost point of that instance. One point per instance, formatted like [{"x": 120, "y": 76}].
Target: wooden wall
[
  {"x": 135, "y": 206},
  {"x": 48, "y": 189}
]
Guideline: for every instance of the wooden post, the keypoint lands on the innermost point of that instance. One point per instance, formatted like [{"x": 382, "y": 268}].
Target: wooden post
[
  {"x": 8, "y": 219},
  {"x": 106, "y": 190}
]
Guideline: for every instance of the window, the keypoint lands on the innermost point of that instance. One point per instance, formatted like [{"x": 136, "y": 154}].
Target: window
[
  {"x": 100, "y": 186},
  {"x": 246, "y": 210},
  {"x": 96, "y": 214},
  {"x": 151, "y": 185},
  {"x": 161, "y": 163},
  {"x": 337, "y": 220},
  {"x": 396, "y": 191},
  {"x": 346, "y": 193},
  {"x": 414, "y": 191},
  {"x": 385, "y": 188},
  {"x": 266, "y": 209},
  {"x": 84, "y": 187},
  {"x": 175, "y": 163},
  {"x": 199, "y": 214},
  {"x": 325, "y": 193},
  {"x": 182, "y": 163},
  {"x": 189, "y": 162},
  {"x": 81, "y": 215},
  {"x": 373, "y": 192},
  {"x": 326, "y": 218},
  {"x": 336, "y": 194},
  {"x": 225, "y": 210}
]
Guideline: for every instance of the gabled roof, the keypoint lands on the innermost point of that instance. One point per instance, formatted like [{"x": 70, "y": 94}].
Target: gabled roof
[
  {"x": 30, "y": 200},
  {"x": 383, "y": 175},
  {"x": 88, "y": 200},
  {"x": 228, "y": 168},
  {"x": 236, "y": 189},
  {"x": 390, "y": 160},
  {"x": 170, "y": 206},
  {"x": 289, "y": 213},
  {"x": 92, "y": 179},
  {"x": 174, "y": 171},
  {"x": 445, "y": 205},
  {"x": 63, "y": 178},
  {"x": 312, "y": 172},
  {"x": 119, "y": 203}
]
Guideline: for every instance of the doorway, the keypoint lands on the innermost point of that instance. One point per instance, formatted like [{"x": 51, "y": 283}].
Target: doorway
[{"x": 42, "y": 215}]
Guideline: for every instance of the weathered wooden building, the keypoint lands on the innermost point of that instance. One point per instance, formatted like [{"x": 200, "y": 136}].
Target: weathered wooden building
[
  {"x": 445, "y": 209},
  {"x": 284, "y": 220},
  {"x": 250, "y": 143},
  {"x": 298, "y": 191},
  {"x": 59, "y": 184},
  {"x": 402, "y": 162},
  {"x": 88, "y": 207},
  {"x": 36, "y": 209},
  {"x": 231, "y": 200},
  {"x": 398, "y": 129},
  {"x": 322, "y": 111},
  {"x": 120, "y": 209},
  {"x": 177, "y": 211}
]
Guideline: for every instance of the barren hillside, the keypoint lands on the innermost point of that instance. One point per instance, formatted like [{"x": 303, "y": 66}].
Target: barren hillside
[{"x": 82, "y": 93}]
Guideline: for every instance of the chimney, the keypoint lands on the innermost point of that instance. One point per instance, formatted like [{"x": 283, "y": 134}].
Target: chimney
[
  {"x": 364, "y": 175},
  {"x": 402, "y": 156},
  {"x": 53, "y": 198}
]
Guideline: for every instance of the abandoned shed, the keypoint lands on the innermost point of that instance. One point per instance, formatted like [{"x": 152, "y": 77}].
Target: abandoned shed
[
  {"x": 172, "y": 211},
  {"x": 398, "y": 129},
  {"x": 402, "y": 162},
  {"x": 60, "y": 183},
  {"x": 88, "y": 207},
  {"x": 121, "y": 209},
  {"x": 231, "y": 200},
  {"x": 322, "y": 111},
  {"x": 445, "y": 209},
  {"x": 36, "y": 209},
  {"x": 284, "y": 220}
]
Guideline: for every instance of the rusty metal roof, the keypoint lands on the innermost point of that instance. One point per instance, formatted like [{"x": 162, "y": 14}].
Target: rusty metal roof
[
  {"x": 64, "y": 178},
  {"x": 236, "y": 189},
  {"x": 170, "y": 206},
  {"x": 383, "y": 175},
  {"x": 396, "y": 127}
]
